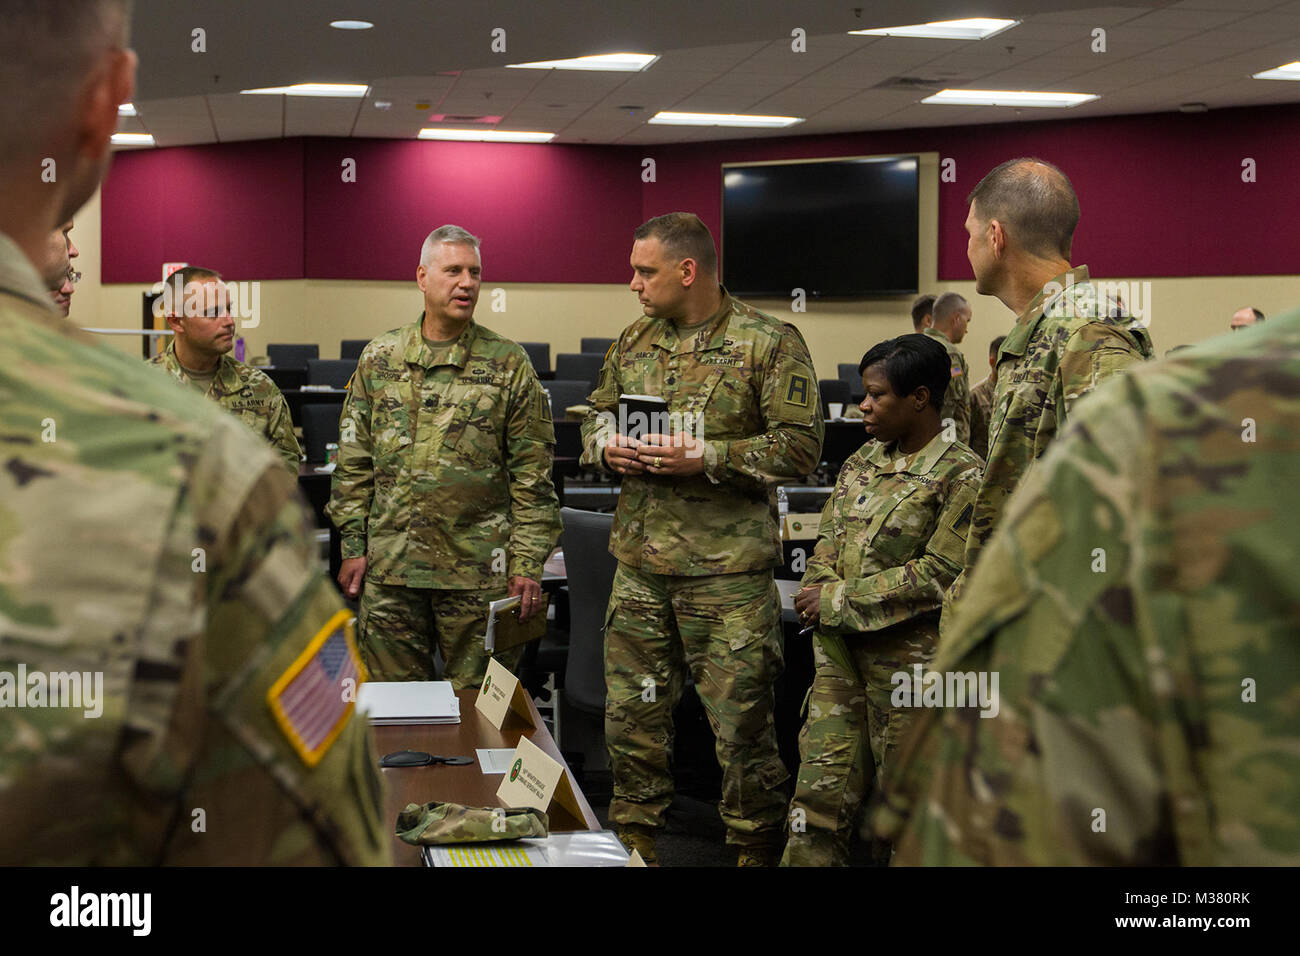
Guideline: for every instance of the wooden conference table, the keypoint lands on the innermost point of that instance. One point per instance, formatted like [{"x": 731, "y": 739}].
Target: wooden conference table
[{"x": 467, "y": 785}]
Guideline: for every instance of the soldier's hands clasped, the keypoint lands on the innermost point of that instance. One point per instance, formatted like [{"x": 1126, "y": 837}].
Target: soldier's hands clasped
[
  {"x": 679, "y": 455},
  {"x": 621, "y": 455}
]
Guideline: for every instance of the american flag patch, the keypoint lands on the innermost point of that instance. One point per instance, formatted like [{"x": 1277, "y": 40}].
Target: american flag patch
[{"x": 313, "y": 699}]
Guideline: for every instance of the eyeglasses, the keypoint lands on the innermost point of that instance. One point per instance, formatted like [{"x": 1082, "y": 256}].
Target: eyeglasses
[
  {"x": 73, "y": 276},
  {"x": 418, "y": 758}
]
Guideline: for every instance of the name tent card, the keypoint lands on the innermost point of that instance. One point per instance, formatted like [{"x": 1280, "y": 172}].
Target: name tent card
[
  {"x": 535, "y": 780},
  {"x": 501, "y": 694}
]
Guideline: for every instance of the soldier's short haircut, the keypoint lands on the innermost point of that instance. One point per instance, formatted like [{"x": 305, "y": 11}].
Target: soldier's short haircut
[
  {"x": 948, "y": 305},
  {"x": 912, "y": 361},
  {"x": 683, "y": 236},
  {"x": 1035, "y": 203},
  {"x": 1259, "y": 316},
  {"x": 922, "y": 306},
  {"x": 447, "y": 233},
  {"x": 996, "y": 344},
  {"x": 47, "y": 50},
  {"x": 182, "y": 277}
]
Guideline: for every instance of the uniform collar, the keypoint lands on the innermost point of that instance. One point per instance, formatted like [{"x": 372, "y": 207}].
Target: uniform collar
[
  {"x": 1017, "y": 339},
  {"x": 936, "y": 334},
  {"x": 227, "y": 371},
  {"x": 417, "y": 352},
  {"x": 18, "y": 276},
  {"x": 889, "y": 460},
  {"x": 710, "y": 334}
]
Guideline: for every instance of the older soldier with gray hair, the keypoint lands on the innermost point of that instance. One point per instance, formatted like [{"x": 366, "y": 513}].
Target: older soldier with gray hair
[
  {"x": 443, "y": 492},
  {"x": 951, "y": 317},
  {"x": 155, "y": 557}
]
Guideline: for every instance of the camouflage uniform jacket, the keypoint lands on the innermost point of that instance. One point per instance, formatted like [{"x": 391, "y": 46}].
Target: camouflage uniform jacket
[
  {"x": 956, "y": 397},
  {"x": 248, "y": 393},
  {"x": 981, "y": 409},
  {"x": 150, "y": 540},
  {"x": 1065, "y": 342},
  {"x": 892, "y": 536},
  {"x": 748, "y": 380},
  {"x": 444, "y": 472},
  {"x": 1141, "y": 605}
]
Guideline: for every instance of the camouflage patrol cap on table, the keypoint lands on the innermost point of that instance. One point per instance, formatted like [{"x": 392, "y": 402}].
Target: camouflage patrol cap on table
[{"x": 435, "y": 823}]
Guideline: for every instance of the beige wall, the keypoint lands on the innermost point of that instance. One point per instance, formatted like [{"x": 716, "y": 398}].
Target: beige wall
[{"x": 1179, "y": 310}]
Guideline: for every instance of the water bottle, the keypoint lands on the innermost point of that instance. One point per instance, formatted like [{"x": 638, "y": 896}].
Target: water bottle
[
  {"x": 239, "y": 348},
  {"x": 782, "y": 508}
]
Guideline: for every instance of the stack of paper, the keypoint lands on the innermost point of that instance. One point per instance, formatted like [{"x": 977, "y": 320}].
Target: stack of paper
[
  {"x": 582, "y": 848},
  {"x": 409, "y": 702}
]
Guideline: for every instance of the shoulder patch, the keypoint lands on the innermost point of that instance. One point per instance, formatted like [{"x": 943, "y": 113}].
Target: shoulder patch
[
  {"x": 348, "y": 386},
  {"x": 955, "y": 371},
  {"x": 610, "y": 351},
  {"x": 313, "y": 699},
  {"x": 795, "y": 389}
]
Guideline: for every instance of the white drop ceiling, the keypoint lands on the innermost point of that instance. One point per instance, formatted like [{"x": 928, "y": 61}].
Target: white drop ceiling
[{"x": 427, "y": 58}]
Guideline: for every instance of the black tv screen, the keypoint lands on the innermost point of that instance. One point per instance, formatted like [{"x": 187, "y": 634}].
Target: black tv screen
[{"x": 845, "y": 227}]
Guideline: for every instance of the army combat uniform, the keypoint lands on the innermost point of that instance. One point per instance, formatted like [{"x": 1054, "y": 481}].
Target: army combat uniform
[
  {"x": 981, "y": 410},
  {"x": 444, "y": 485},
  {"x": 249, "y": 394},
  {"x": 1066, "y": 341},
  {"x": 889, "y": 544},
  {"x": 694, "y": 587},
  {"x": 1141, "y": 604},
  {"x": 956, "y": 398},
  {"x": 155, "y": 547}
]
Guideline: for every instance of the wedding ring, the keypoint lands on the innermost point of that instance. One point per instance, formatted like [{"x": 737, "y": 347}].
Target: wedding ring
[{"x": 659, "y": 462}]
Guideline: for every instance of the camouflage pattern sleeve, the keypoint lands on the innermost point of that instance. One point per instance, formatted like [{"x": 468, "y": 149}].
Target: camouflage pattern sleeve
[
  {"x": 267, "y": 606},
  {"x": 604, "y": 398},
  {"x": 957, "y": 400},
  {"x": 791, "y": 407},
  {"x": 353, "y": 483},
  {"x": 825, "y": 556},
  {"x": 1130, "y": 605},
  {"x": 1091, "y": 355},
  {"x": 900, "y": 593},
  {"x": 280, "y": 430},
  {"x": 530, "y": 455}
]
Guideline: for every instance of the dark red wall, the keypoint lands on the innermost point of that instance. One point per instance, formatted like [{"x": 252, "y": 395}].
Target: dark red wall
[{"x": 1161, "y": 194}]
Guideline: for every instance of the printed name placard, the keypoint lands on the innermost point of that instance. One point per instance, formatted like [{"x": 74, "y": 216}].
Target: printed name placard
[
  {"x": 535, "y": 780},
  {"x": 635, "y": 860},
  {"x": 499, "y": 694}
]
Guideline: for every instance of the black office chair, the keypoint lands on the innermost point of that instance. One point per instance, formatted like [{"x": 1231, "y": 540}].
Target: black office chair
[
  {"x": 833, "y": 390},
  {"x": 539, "y": 353},
  {"x": 320, "y": 426},
  {"x": 600, "y": 346},
  {"x": 566, "y": 392},
  {"x": 292, "y": 356},
  {"x": 591, "y": 578},
  {"x": 352, "y": 348},
  {"x": 334, "y": 372},
  {"x": 850, "y": 376},
  {"x": 578, "y": 367}
]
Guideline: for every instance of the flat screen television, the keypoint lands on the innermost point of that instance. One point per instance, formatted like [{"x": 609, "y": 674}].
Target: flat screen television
[{"x": 834, "y": 228}]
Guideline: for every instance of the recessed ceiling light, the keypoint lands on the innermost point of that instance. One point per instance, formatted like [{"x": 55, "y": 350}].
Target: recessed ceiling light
[
  {"x": 315, "y": 89},
  {"x": 132, "y": 139},
  {"x": 351, "y": 24},
  {"x": 1009, "y": 98},
  {"x": 671, "y": 118},
  {"x": 618, "y": 62},
  {"x": 976, "y": 28},
  {"x": 126, "y": 109},
  {"x": 486, "y": 135},
  {"x": 1290, "y": 71}
]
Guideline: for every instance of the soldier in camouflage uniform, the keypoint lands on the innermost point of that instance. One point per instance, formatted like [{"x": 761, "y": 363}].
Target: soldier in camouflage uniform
[
  {"x": 198, "y": 355},
  {"x": 443, "y": 494},
  {"x": 1141, "y": 605},
  {"x": 153, "y": 549},
  {"x": 951, "y": 316},
  {"x": 695, "y": 532},
  {"x": 1068, "y": 337},
  {"x": 889, "y": 544},
  {"x": 981, "y": 403}
]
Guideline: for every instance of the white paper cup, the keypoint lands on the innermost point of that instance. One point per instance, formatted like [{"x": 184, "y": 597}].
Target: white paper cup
[{"x": 836, "y": 409}]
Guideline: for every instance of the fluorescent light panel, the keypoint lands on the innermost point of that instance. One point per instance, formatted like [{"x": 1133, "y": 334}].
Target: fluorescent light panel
[
  {"x": 976, "y": 28},
  {"x": 132, "y": 139},
  {"x": 1009, "y": 98},
  {"x": 351, "y": 24},
  {"x": 314, "y": 89},
  {"x": 615, "y": 62},
  {"x": 126, "y": 109},
  {"x": 671, "y": 118},
  {"x": 486, "y": 135},
  {"x": 1290, "y": 71}
]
